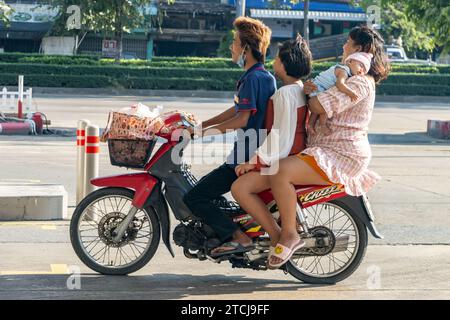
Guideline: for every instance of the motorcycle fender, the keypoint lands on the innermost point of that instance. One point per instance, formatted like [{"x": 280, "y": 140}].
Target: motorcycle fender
[
  {"x": 362, "y": 209},
  {"x": 142, "y": 183},
  {"x": 159, "y": 204}
]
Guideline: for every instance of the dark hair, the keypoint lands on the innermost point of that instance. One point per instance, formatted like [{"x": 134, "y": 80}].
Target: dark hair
[
  {"x": 296, "y": 57},
  {"x": 371, "y": 42},
  {"x": 255, "y": 35}
]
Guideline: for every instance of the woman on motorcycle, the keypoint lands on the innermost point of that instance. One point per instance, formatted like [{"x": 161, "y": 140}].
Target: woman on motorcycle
[
  {"x": 341, "y": 157},
  {"x": 287, "y": 110}
]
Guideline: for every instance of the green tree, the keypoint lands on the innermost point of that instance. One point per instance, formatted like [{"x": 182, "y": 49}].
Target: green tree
[
  {"x": 112, "y": 18},
  {"x": 224, "y": 46},
  {"x": 422, "y": 24},
  {"x": 5, "y": 12},
  {"x": 396, "y": 23},
  {"x": 433, "y": 16}
]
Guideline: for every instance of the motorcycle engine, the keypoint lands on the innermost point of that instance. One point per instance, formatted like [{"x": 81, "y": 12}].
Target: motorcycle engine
[{"x": 193, "y": 236}]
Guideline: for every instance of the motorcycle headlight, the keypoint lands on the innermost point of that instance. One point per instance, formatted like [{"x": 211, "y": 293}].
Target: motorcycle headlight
[{"x": 188, "y": 120}]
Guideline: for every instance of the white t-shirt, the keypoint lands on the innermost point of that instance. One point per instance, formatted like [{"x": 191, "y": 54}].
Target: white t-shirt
[{"x": 279, "y": 142}]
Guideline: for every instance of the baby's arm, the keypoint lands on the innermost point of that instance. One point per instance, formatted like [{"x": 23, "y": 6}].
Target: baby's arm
[{"x": 341, "y": 76}]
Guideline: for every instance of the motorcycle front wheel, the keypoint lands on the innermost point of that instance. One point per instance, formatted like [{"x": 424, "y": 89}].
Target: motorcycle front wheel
[{"x": 92, "y": 231}]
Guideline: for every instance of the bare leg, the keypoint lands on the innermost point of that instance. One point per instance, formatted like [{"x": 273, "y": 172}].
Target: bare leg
[
  {"x": 323, "y": 120},
  {"x": 245, "y": 190},
  {"x": 292, "y": 171}
]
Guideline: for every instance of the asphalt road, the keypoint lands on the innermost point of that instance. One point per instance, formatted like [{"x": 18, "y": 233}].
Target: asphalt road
[{"x": 411, "y": 205}]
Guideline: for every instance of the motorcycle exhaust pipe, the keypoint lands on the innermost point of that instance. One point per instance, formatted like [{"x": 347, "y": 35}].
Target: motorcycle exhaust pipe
[{"x": 311, "y": 243}]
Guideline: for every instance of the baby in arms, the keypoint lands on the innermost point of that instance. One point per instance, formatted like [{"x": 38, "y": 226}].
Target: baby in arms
[{"x": 356, "y": 64}]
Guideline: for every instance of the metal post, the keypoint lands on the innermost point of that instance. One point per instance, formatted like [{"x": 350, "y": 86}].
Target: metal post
[
  {"x": 4, "y": 96},
  {"x": 29, "y": 99},
  {"x": 81, "y": 142},
  {"x": 19, "y": 103},
  {"x": 92, "y": 157},
  {"x": 240, "y": 8},
  {"x": 306, "y": 21},
  {"x": 150, "y": 48},
  {"x": 12, "y": 101}
]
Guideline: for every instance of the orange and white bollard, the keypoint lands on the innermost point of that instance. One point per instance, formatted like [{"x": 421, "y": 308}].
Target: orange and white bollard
[
  {"x": 81, "y": 145},
  {"x": 92, "y": 157}
]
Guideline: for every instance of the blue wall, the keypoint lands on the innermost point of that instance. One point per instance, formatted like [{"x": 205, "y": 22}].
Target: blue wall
[{"x": 314, "y": 6}]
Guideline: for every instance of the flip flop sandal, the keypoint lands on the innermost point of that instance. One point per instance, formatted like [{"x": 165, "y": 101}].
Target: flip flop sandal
[
  {"x": 238, "y": 248},
  {"x": 271, "y": 252},
  {"x": 284, "y": 253}
]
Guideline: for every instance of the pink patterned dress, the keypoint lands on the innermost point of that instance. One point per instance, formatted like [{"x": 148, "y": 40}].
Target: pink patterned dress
[{"x": 345, "y": 154}]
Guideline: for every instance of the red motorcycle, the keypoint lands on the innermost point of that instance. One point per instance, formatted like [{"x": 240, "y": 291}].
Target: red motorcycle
[{"x": 116, "y": 230}]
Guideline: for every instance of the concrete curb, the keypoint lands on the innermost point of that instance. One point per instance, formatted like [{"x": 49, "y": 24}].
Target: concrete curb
[
  {"x": 206, "y": 94},
  {"x": 32, "y": 202}
]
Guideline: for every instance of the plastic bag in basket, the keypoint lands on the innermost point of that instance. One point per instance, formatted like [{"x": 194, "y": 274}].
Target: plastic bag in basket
[{"x": 123, "y": 126}]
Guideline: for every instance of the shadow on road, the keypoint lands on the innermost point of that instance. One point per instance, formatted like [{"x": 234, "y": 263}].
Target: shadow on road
[{"x": 154, "y": 287}]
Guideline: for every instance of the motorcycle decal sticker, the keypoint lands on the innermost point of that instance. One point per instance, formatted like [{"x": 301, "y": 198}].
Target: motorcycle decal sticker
[
  {"x": 320, "y": 195},
  {"x": 255, "y": 229}
]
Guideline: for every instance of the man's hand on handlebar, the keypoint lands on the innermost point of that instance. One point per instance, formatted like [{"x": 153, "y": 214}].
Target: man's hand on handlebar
[{"x": 195, "y": 132}]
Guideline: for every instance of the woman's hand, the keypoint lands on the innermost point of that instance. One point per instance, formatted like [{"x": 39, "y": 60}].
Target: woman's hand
[
  {"x": 244, "y": 168},
  {"x": 309, "y": 87}
]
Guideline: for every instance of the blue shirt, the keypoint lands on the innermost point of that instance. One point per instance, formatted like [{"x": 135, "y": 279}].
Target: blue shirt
[{"x": 254, "y": 89}]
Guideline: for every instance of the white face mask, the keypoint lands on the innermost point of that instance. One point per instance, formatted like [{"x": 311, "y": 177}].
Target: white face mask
[{"x": 241, "y": 59}]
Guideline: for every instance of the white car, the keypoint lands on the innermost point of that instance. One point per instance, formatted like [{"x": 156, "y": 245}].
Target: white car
[{"x": 397, "y": 54}]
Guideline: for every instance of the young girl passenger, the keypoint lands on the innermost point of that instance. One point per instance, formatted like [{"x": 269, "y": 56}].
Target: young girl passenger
[{"x": 287, "y": 134}]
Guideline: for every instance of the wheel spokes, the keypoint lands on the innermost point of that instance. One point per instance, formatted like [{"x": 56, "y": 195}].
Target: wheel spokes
[
  {"x": 95, "y": 231},
  {"x": 341, "y": 224}
]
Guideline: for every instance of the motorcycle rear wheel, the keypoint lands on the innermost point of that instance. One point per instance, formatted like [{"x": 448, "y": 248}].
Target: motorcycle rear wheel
[{"x": 318, "y": 275}]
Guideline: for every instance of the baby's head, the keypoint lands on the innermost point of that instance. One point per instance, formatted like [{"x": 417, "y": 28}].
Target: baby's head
[{"x": 359, "y": 63}]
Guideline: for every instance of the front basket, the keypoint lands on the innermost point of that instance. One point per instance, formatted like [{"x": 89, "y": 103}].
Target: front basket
[{"x": 130, "y": 153}]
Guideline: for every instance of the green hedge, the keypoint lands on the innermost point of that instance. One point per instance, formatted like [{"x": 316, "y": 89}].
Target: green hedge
[
  {"x": 59, "y": 61},
  {"x": 422, "y": 79},
  {"x": 413, "y": 90},
  {"x": 63, "y": 81},
  {"x": 40, "y": 58},
  {"x": 184, "y": 62},
  {"x": 119, "y": 72},
  {"x": 175, "y": 84},
  {"x": 165, "y": 83},
  {"x": 92, "y": 81},
  {"x": 226, "y": 75},
  {"x": 185, "y": 73}
]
